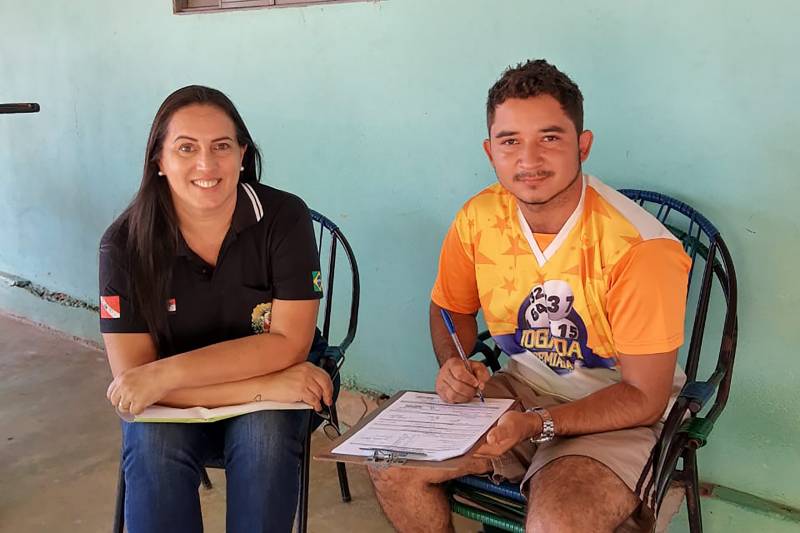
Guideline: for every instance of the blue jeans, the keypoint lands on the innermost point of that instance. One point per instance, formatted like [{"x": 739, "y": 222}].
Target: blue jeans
[{"x": 261, "y": 452}]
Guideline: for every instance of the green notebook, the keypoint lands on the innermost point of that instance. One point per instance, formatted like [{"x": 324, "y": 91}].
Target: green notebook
[{"x": 194, "y": 415}]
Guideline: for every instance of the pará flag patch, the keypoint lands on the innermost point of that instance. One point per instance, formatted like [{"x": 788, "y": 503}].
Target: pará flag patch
[{"x": 109, "y": 307}]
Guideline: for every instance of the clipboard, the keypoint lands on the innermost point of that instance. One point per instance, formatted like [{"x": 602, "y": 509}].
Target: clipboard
[{"x": 386, "y": 458}]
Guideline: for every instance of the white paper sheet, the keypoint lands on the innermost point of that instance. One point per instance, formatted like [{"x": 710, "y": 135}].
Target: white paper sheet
[{"x": 425, "y": 428}]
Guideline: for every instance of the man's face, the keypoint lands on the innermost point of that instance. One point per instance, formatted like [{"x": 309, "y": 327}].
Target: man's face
[{"x": 535, "y": 150}]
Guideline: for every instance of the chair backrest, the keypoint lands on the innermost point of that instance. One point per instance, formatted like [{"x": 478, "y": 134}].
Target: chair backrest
[
  {"x": 331, "y": 241},
  {"x": 711, "y": 265}
]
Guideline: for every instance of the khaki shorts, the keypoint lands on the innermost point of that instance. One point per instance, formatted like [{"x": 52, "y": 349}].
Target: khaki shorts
[{"x": 625, "y": 452}]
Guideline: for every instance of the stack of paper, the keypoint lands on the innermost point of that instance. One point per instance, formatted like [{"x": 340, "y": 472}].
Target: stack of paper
[{"x": 421, "y": 426}]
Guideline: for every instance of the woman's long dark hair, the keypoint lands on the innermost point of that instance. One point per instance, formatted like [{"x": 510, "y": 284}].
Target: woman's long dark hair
[{"x": 151, "y": 220}]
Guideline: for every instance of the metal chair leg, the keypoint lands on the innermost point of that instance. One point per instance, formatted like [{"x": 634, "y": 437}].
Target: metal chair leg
[
  {"x": 302, "y": 505},
  {"x": 119, "y": 508},
  {"x": 344, "y": 486},
  {"x": 206, "y": 481},
  {"x": 692, "y": 491}
]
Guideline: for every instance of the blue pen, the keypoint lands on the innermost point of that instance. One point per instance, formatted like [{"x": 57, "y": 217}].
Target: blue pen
[{"x": 452, "y": 329}]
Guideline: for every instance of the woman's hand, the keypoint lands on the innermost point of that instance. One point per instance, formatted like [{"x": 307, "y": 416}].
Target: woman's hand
[
  {"x": 304, "y": 382},
  {"x": 137, "y": 388}
]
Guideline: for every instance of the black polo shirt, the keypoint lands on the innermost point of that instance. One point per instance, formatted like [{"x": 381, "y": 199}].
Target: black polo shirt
[{"x": 269, "y": 252}]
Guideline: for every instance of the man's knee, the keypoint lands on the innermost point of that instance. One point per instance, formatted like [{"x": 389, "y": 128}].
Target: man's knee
[
  {"x": 393, "y": 477},
  {"x": 573, "y": 491},
  {"x": 390, "y": 478}
]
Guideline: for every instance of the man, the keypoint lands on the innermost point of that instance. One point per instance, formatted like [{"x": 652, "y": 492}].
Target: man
[{"x": 585, "y": 290}]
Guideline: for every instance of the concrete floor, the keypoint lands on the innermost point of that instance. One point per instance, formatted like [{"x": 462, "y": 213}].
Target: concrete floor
[{"x": 59, "y": 447}]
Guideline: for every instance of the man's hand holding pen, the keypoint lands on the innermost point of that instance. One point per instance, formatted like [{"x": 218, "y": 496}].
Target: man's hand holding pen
[
  {"x": 454, "y": 384},
  {"x": 459, "y": 386}
]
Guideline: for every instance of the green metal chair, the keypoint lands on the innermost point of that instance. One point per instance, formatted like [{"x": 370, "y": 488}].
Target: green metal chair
[{"x": 688, "y": 424}]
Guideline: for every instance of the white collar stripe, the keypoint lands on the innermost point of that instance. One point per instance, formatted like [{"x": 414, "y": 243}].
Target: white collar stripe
[
  {"x": 257, "y": 208},
  {"x": 552, "y": 248},
  {"x": 526, "y": 230},
  {"x": 571, "y": 222},
  {"x": 648, "y": 226}
]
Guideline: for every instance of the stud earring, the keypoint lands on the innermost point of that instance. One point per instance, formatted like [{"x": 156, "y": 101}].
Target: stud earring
[
  {"x": 160, "y": 173},
  {"x": 241, "y": 168}
]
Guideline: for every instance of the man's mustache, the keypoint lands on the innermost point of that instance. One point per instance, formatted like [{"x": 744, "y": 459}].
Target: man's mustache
[{"x": 537, "y": 174}]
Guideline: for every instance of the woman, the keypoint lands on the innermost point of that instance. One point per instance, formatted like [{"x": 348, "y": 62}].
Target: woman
[{"x": 208, "y": 297}]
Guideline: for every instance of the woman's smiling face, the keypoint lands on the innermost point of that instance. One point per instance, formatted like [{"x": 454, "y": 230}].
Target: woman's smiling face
[{"x": 201, "y": 158}]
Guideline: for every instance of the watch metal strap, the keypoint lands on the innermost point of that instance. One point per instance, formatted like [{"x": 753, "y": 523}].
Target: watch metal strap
[{"x": 548, "y": 428}]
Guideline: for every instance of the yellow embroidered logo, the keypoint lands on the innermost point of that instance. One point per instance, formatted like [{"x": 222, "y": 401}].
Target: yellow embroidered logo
[{"x": 261, "y": 317}]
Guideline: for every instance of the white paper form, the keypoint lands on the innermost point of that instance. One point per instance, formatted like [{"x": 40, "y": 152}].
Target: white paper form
[{"x": 425, "y": 428}]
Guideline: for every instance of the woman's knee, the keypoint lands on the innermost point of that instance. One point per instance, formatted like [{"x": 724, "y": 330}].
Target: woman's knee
[
  {"x": 278, "y": 422},
  {"x": 159, "y": 443},
  {"x": 266, "y": 437}
]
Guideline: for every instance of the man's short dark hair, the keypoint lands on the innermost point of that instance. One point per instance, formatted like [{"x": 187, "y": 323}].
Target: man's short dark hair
[{"x": 535, "y": 78}]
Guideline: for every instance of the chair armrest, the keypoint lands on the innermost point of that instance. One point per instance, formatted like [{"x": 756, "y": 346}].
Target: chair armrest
[
  {"x": 696, "y": 394},
  {"x": 491, "y": 356},
  {"x": 697, "y": 430},
  {"x": 506, "y": 489},
  {"x": 334, "y": 352}
]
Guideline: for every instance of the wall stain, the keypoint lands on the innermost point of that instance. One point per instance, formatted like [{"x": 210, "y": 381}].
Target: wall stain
[{"x": 46, "y": 294}]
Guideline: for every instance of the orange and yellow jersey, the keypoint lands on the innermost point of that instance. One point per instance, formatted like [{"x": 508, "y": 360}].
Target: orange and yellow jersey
[{"x": 612, "y": 281}]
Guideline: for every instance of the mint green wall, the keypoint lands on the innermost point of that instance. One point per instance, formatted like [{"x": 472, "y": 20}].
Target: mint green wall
[{"x": 373, "y": 112}]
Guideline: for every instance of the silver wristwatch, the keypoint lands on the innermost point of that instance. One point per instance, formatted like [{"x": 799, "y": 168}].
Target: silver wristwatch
[{"x": 548, "y": 428}]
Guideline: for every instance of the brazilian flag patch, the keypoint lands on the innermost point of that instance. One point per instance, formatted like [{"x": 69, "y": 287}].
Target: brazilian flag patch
[{"x": 316, "y": 277}]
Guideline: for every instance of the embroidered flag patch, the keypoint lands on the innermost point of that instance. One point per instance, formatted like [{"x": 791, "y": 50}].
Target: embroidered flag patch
[
  {"x": 171, "y": 308},
  {"x": 109, "y": 307},
  {"x": 261, "y": 317},
  {"x": 316, "y": 276}
]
